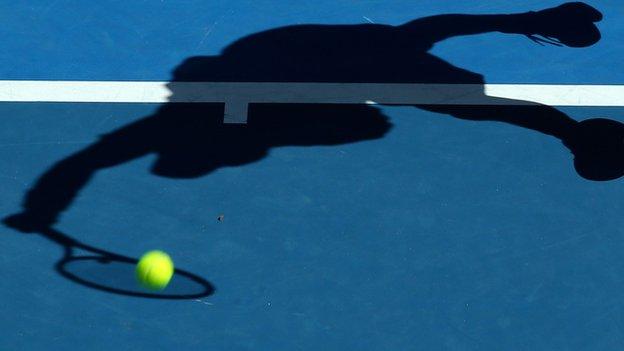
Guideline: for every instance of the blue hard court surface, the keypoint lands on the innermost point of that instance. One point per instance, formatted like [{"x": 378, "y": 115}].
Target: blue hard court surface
[{"x": 419, "y": 232}]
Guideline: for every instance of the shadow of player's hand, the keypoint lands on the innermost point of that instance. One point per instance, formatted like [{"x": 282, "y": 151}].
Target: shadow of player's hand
[
  {"x": 571, "y": 24},
  {"x": 27, "y": 222},
  {"x": 598, "y": 148}
]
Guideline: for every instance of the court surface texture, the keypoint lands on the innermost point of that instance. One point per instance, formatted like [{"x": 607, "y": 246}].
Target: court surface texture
[{"x": 327, "y": 175}]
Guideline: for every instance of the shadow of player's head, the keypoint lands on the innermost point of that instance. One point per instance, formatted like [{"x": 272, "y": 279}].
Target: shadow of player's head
[{"x": 598, "y": 148}]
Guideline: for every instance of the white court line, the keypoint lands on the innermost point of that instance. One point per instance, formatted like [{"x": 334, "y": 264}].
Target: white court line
[{"x": 237, "y": 96}]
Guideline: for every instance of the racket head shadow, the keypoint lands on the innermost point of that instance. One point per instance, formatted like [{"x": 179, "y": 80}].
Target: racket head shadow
[{"x": 116, "y": 274}]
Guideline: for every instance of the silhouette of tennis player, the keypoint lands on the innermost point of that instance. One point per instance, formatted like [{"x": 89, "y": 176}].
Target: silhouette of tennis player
[{"x": 191, "y": 140}]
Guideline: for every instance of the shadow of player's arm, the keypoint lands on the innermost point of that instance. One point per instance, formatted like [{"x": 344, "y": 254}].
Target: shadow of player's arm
[{"x": 58, "y": 186}]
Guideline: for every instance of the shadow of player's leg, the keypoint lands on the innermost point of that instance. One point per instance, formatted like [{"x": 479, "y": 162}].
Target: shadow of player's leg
[
  {"x": 597, "y": 144},
  {"x": 542, "y": 118}
]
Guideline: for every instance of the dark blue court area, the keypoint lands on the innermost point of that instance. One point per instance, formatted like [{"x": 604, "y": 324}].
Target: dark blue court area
[{"x": 496, "y": 226}]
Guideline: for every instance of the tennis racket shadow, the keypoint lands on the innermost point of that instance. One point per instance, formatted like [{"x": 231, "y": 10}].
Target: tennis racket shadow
[{"x": 113, "y": 273}]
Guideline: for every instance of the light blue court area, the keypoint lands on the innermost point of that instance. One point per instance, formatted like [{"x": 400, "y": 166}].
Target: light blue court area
[{"x": 315, "y": 226}]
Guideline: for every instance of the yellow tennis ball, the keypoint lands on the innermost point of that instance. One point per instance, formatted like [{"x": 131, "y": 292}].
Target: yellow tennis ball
[{"x": 154, "y": 270}]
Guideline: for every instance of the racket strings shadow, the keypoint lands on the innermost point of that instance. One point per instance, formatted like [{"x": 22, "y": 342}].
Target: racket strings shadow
[{"x": 114, "y": 273}]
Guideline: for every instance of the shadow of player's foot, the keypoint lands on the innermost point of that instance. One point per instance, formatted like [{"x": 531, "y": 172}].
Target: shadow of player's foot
[{"x": 598, "y": 148}]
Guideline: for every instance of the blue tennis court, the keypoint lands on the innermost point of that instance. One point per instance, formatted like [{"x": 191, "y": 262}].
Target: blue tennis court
[{"x": 484, "y": 215}]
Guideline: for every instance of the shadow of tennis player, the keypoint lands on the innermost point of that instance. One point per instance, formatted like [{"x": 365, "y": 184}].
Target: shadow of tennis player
[{"x": 191, "y": 140}]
